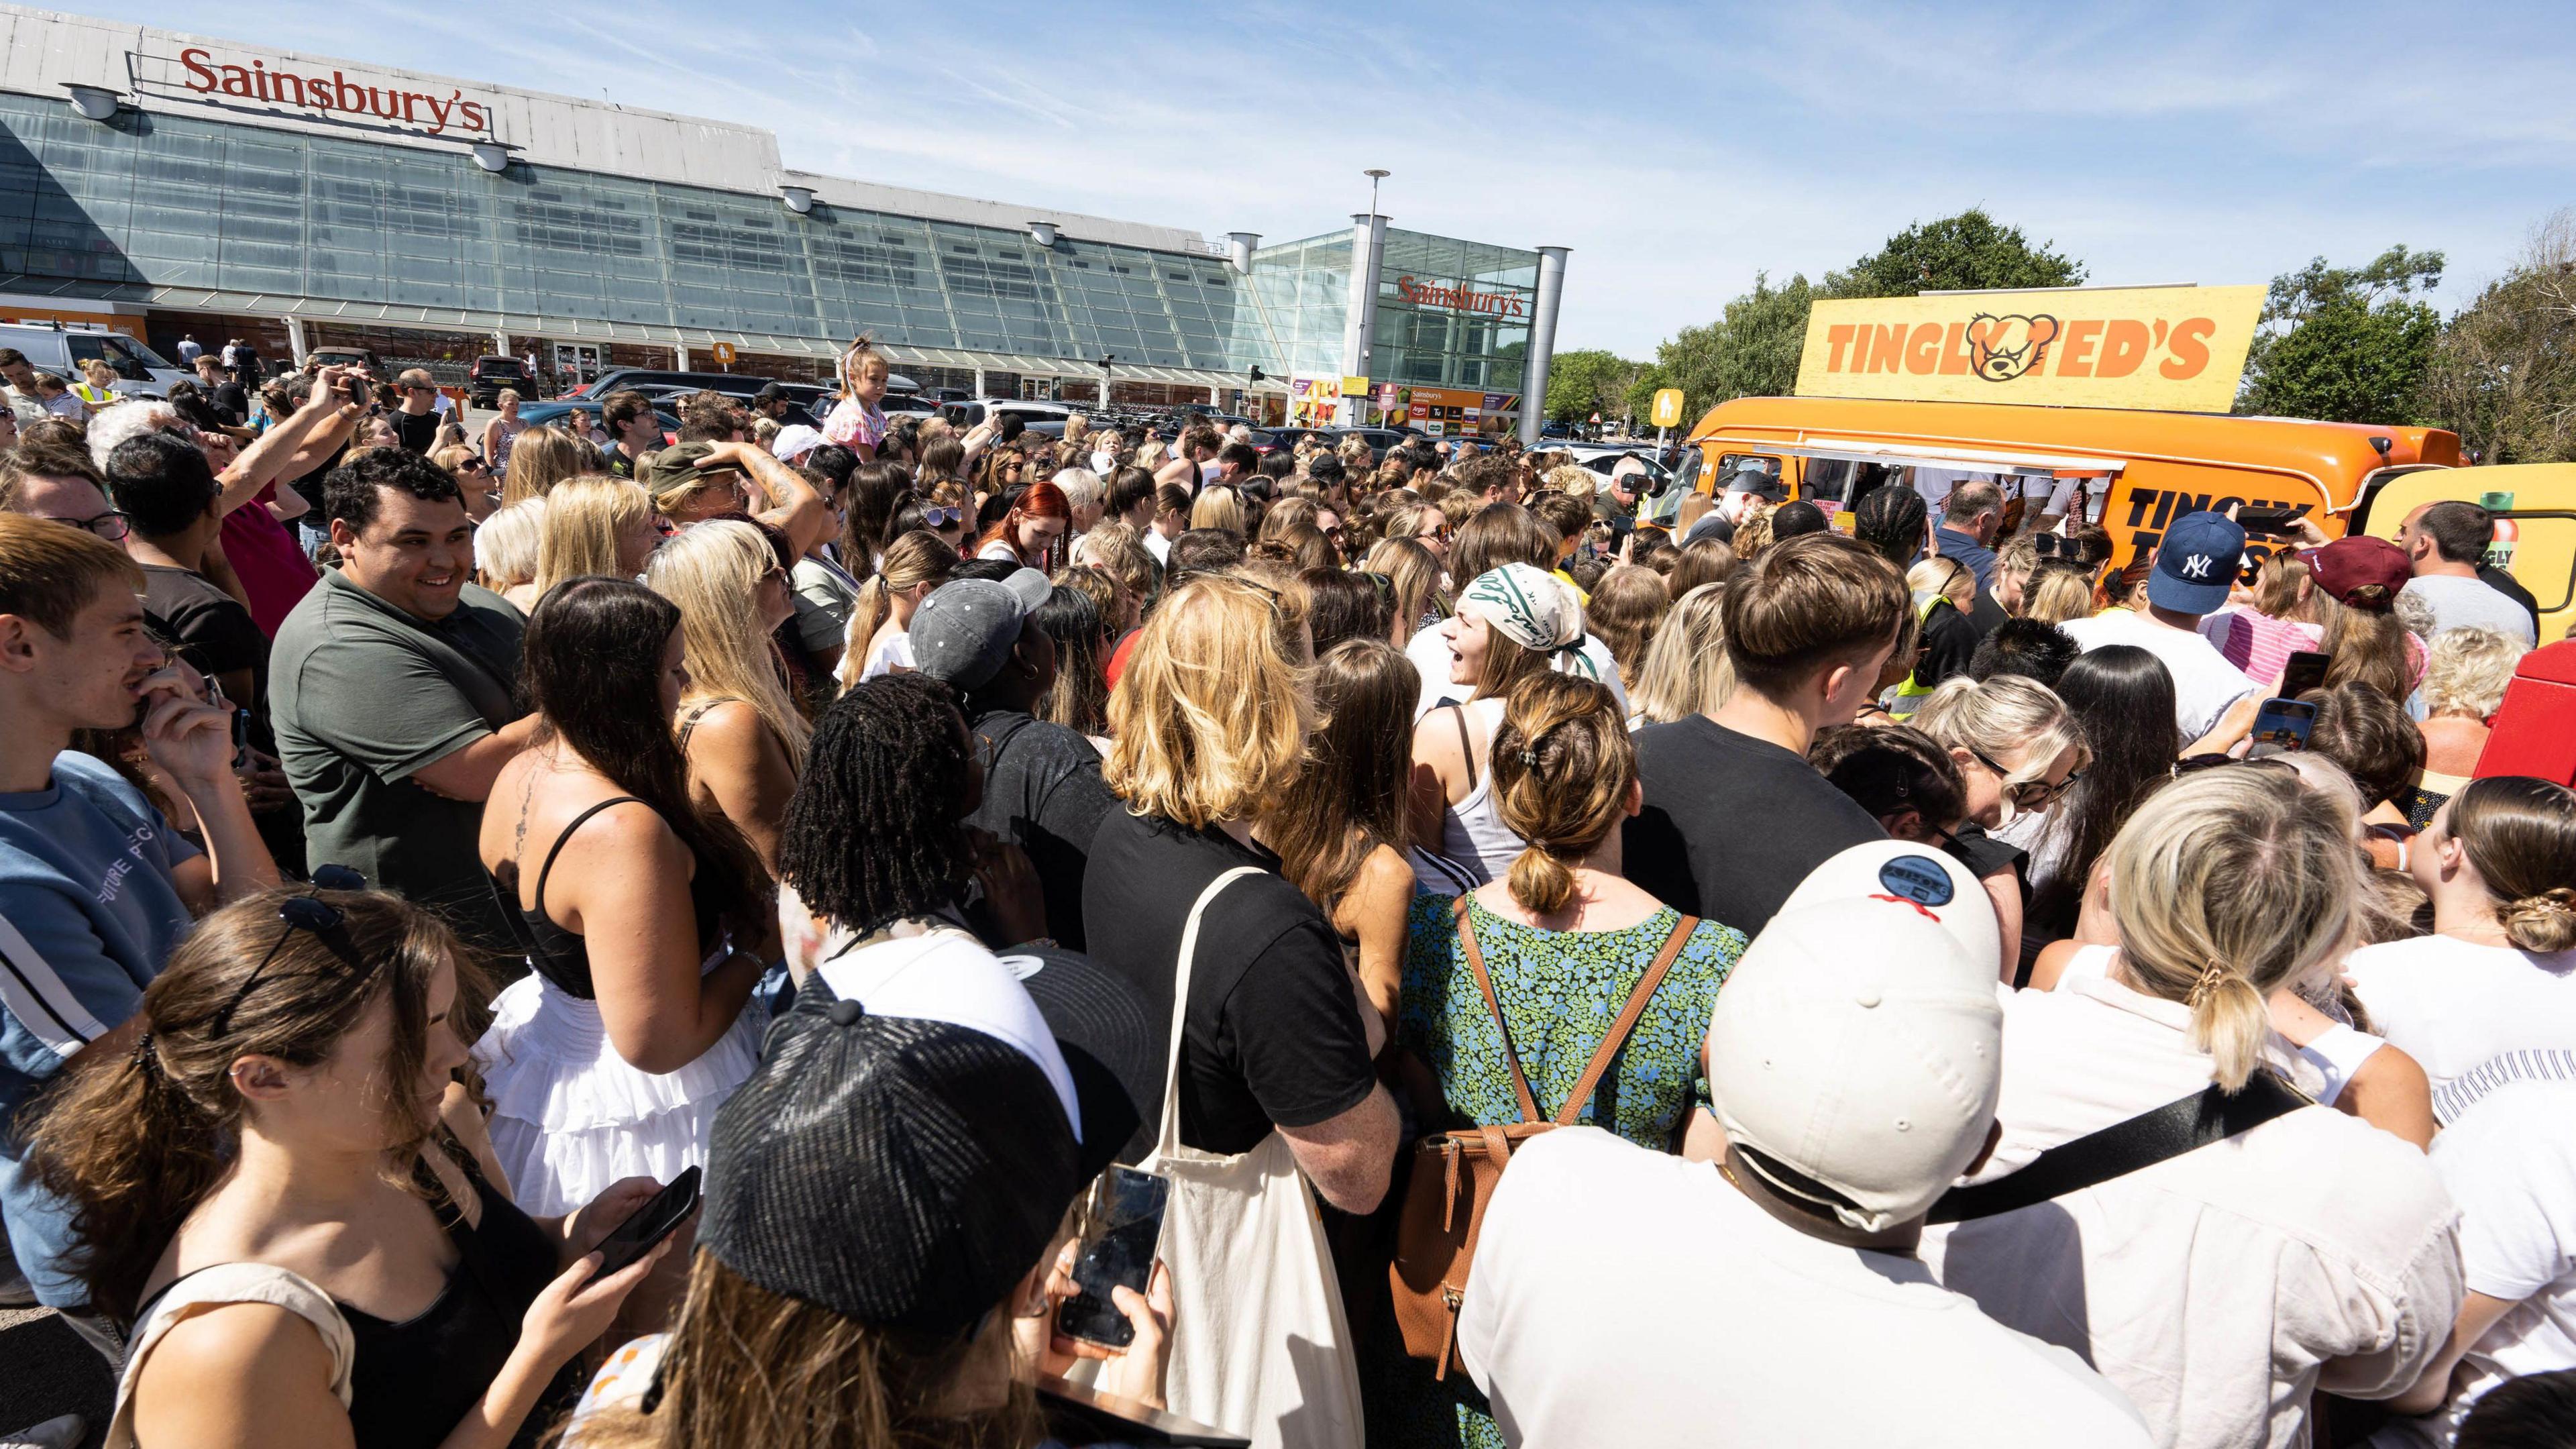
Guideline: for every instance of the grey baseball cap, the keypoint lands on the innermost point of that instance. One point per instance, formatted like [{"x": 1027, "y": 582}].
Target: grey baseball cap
[{"x": 963, "y": 633}]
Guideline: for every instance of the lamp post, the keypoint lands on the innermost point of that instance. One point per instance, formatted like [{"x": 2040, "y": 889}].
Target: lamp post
[{"x": 1359, "y": 324}]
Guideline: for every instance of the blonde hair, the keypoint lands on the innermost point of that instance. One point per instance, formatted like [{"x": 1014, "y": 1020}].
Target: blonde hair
[
  {"x": 2226, "y": 886},
  {"x": 917, "y": 558},
  {"x": 1567, "y": 478},
  {"x": 1218, "y": 508},
  {"x": 1209, "y": 721},
  {"x": 2005, "y": 715},
  {"x": 2276, "y": 586},
  {"x": 544, "y": 456},
  {"x": 2467, "y": 669},
  {"x": 712, "y": 572},
  {"x": 583, "y": 518},
  {"x": 1752, "y": 534},
  {"x": 2057, "y": 595},
  {"x": 1410, "y": 567},
  {"x": 1945, "y": 576},
  {"x": 1115, "y": 550},
  {"x": 1686, "y": 671},
  {"x": 508, "y": 544},
  {"x": 1563, "y": 764},
  {"x": 858, "y": 360}
]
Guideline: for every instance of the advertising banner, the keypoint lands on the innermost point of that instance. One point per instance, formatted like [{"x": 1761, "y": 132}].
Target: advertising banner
[{"x": 2165, "y": 349}]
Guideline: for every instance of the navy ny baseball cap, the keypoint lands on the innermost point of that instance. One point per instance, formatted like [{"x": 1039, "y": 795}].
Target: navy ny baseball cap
[{"x": 2196, "y": 563}]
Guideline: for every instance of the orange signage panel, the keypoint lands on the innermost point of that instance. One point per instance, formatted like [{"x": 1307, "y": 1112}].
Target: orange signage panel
[{"x": 2165, "y": 349}]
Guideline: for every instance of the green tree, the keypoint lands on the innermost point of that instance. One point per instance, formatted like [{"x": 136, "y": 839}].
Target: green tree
[
  {"x": 1750, "y": 351},
  {"x": 2503, "y": 374},
  {"x": 1753, "y": 349},
  {"x": 2346, "y": 344},
  {"x": 1970, "y": 251},
  {"x": 1639, "y": 404},
  {"x": 1588, "y": 381}
]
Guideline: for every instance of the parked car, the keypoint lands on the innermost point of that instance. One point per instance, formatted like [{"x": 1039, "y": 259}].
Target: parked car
[
  {"x": 1043, "y": 418},
  {"x": 731, "y": 384},
  {"x": 1601, "y": 459},
  {"x": 1379, "y": 438},
  {"x": 487, "y": 376},
  {"x": 558, "y": 411},
  {"x": 321, "y": 357},
  {"x": 140, "y": 371}
]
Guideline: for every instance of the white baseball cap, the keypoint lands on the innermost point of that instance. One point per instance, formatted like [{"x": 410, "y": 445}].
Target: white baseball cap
[
  {"x": 794, "y": 441},
  {"x": 1855, "y": 1055},
  {"x": 1911, "y": 871}
]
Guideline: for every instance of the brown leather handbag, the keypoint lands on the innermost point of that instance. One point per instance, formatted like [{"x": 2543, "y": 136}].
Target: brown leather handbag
[{"x": 1455, "y": 1173}]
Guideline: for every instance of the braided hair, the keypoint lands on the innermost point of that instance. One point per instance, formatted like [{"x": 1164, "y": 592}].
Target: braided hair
[{"x": 876, "y": 829}]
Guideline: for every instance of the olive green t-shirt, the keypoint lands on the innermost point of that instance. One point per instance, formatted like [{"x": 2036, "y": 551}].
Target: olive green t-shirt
[{"x": 362, "y": 695}]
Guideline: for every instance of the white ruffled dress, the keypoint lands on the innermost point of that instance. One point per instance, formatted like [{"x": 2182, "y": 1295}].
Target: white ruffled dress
[{"x": 570, "y": 1116}]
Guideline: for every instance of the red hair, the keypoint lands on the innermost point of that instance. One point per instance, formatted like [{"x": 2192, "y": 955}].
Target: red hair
[{"x": 1041, "y": 500}]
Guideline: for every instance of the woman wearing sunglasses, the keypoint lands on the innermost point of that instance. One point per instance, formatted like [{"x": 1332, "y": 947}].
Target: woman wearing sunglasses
[
  {"x": 2017, "y": 751},
  {"x": 738, "y": 723},
  {"x": 290, "y": 1203}
]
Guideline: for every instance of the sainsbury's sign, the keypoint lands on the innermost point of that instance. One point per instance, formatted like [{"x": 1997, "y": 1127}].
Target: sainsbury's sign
[
  {"x": 330, "y": 95},
  {"x": 1434, "y": 294},
  {"x": 2170, "y": 349}
]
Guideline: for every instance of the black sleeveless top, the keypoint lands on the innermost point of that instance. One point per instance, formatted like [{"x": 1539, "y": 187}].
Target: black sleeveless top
[
  {"x": 410, "y": 1382},
  {"x": 561, "y": 956}
]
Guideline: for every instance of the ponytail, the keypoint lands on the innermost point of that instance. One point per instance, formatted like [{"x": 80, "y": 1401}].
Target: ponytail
[
  {"x": 913, "y": 559},
  {"x": 134, "y": 1144},
  {"x": 1562, "y": 768},
  {"x": 2226, "y": 887}
]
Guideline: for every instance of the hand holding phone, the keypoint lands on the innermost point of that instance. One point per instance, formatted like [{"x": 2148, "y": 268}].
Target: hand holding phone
[
  {"x": 2268, "y": 521},
  {"x": 659, "y": 1217},
  {"x": 2281, "y": 728},
  {"x": 2305, "y": 670},
  {"x": 1117, "y": 1249}
]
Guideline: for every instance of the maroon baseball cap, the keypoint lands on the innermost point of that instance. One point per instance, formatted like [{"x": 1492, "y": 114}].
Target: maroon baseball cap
[{"x": 2348, "y": 565}]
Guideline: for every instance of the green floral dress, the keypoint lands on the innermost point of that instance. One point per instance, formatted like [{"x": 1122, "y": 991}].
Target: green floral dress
[{"x": 1561, "y": 991}]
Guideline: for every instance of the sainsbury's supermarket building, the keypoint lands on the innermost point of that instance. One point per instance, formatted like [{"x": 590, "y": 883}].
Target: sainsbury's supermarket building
[{"x": 168, "y": 185}]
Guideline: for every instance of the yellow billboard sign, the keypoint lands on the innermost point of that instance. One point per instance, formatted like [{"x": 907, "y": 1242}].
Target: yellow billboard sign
[{"x": 2165, "y": 349}]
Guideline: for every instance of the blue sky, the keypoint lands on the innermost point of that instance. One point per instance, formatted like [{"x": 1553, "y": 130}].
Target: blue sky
[{"x": 1677, "y": 149}]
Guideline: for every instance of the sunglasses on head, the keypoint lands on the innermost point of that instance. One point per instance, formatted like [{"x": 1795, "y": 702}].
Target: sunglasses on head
[
  {"x": 307, "y": 912},
  {"x": 940, "y": 517}
]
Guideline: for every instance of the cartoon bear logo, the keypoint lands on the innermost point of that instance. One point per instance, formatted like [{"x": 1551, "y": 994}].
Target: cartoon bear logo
[{"x": 2003, "y": 348}]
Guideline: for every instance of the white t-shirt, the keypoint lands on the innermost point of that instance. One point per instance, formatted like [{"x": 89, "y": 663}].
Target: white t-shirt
[
  {"x": 2212, "y": 1287},
  {"x": 2205, "y": 684},
  {"x": 1157, "y": 545},
  {"x": 895, "y": 653},
  {"x": 1706, "y": 1320},
  {"x": 2460, "y": 603},
  {"x": 2510, "y": 1163},
  {"x": 1430, "y": 655},
  {"x": 2453, "y": 1004}
]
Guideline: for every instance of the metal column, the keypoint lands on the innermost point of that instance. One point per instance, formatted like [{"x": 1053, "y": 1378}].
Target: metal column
[
  {"x": 1359, "y": 317},
  {"x": 1542, "y": 346},
  {"x": 295, "y": 338}
]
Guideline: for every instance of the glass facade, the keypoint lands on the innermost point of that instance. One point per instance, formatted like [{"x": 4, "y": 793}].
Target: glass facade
[
  {"x": 161, "y": 200},
  {"x": 1450, "y": 313}
]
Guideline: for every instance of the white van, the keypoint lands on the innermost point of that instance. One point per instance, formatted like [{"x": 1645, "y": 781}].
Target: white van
[{"x": 140, "y": 371}]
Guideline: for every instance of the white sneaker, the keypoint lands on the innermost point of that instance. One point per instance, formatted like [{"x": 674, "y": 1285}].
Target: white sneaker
[{"x": 63, "y": 1433}]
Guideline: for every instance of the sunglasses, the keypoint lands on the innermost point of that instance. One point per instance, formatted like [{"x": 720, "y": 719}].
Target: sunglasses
[
  {"x": 307, "y": 912},
  {"x": 939, "y": 517},
  {"x": 2028, "y": 794}
]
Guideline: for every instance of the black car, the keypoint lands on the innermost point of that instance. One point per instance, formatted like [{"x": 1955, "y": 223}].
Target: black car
[
  {"x": 487, "y": 376},
  {"x": 1379, "y": 438}
]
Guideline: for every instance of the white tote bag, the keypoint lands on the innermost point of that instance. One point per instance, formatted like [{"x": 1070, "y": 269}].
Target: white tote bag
[{"x": 1260, "y": 1346}]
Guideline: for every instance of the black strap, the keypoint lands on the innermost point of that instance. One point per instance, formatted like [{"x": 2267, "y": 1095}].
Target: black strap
[
  {"x": 2196, "y": 1121},
  {"x": 578, "y": 821}
]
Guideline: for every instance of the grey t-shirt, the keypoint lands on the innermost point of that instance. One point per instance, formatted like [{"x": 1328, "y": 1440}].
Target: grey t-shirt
[
  {"x": 2459, "y": 603},
  {"x": 362, "y": 695}
]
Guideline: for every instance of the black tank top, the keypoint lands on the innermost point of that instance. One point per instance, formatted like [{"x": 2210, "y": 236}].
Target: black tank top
[
  {"x": 410, "y": 1382},
  {"x": 561, "y": 956}
]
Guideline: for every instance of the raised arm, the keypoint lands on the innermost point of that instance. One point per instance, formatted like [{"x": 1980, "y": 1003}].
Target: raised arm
[{"x": 279, "y": 451}]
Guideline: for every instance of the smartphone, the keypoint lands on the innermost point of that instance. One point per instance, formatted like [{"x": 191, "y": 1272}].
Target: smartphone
[
  {"x": 355, "y": 389},
  {"x": 2305, "y": 671},
  {"x": 2269, "y": 520},
  {"x": 1124, "y": 1230},
  {"x": 659, "y": 1217},
  {"x": 2281, "y": 727}
]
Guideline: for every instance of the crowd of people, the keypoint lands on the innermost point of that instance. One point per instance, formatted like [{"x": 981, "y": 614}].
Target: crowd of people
[{"x": 1912, "y": 1003}]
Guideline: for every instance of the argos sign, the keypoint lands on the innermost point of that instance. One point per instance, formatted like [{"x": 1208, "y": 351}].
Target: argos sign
[
  {"x": 331, "y": 95},
  {"x": 2169, "y": 349}
]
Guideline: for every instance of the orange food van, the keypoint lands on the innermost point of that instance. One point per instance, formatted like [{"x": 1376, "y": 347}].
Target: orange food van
[{"x": 2134, "y": 471}]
